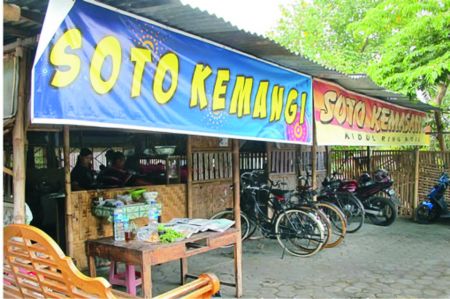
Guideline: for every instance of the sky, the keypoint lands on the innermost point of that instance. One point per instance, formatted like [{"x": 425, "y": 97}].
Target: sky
[{"x": 257, "y": 16}]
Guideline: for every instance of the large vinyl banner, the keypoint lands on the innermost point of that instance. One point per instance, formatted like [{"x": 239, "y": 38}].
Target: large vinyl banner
[
  {"x": 346, "y": 118},
  {"x": 98, "y": 66}
]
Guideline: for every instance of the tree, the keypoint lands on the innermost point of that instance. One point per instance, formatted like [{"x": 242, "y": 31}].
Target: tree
[{"x": 403, "y": 45}]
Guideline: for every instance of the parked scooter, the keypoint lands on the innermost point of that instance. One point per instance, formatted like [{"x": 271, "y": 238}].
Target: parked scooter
[{"x": 435, "y": 206}]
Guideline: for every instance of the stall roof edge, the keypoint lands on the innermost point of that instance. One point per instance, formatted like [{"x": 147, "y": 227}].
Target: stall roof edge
[{"x": 193, "y": 20}]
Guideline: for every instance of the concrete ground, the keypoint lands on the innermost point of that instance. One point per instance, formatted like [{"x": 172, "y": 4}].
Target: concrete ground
[{"x": 405, "y": 260}]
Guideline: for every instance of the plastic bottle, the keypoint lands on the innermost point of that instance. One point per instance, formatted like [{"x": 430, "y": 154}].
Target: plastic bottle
[
  {"x": 159, "y": 210},
  {"x": 119, "y": 225},
  {"x": 126, "y": 222},
  {"x": 153, "y": 214}
]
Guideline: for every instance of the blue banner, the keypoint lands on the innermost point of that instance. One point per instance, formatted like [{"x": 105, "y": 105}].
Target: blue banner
[{"x": 100, "y": 67}]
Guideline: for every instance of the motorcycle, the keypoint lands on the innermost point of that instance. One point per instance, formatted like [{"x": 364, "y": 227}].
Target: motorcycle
[
  {"x": 379, "y": 209},
  {"x": 435, "y": 206}
]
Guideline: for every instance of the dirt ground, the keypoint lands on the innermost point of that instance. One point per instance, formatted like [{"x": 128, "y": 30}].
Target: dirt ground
[{"x": 405, "y": 260}]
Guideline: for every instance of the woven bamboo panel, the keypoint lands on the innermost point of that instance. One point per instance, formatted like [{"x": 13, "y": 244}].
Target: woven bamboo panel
[
  {"x": 210, "y": 198},
  {"x": 431, "y": 166},
  {"x": 400, "y": 164},
  {"x": 87, "y": 226}
]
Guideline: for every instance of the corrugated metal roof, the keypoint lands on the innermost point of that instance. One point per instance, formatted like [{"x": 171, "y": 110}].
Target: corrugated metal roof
[{"x": 193, "y": 20}]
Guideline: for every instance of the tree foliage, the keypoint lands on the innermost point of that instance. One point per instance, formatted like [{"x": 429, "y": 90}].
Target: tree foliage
[
  {"x": 318, "y": 30},
  {"x": 403, "y": 45},
  {"x": 411, "y": 40}
]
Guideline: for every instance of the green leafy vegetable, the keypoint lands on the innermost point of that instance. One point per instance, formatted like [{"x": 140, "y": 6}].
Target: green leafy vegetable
[{"x": 170, "y": 235}]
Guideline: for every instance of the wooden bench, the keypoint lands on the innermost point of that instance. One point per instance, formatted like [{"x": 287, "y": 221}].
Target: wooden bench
[{"x": 35, "y": 267}]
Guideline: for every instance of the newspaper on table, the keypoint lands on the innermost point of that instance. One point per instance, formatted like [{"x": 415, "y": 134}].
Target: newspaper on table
[{"x": 188, "y": 227}]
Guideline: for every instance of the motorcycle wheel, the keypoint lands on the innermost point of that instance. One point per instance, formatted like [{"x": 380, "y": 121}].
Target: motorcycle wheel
[
  {"x": 425, "y": 215},
  {"x": 388, "y": 208}
]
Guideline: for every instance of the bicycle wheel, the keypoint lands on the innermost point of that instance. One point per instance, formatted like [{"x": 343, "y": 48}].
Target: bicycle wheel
[
  {"x": 229, "y": 214},
  {"x": 299, "y": 232},
  {"x": 323, "y": 218},
  {"x": 353, "y": 210},
  {"x": 252, "y": 228},
  {"x": 338, "y": 223}
]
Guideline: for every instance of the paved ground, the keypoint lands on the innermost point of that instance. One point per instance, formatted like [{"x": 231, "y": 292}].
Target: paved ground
[{"x": 405, "y": 260}]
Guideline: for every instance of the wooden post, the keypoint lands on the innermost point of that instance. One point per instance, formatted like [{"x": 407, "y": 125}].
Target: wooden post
[
  {"x": 328, "y": 153},
  {"x": 369, "y": 160},
  {"x": 415, "y": 200},
  {"x": 237, "y": 217},
  {"x": 314, "y": 159},
  {"x": 189, "y": 177},
  {"x": 18, "y": 135},
  {"x": 269, "y": 146},
  {"x": 68, "y": 188}
]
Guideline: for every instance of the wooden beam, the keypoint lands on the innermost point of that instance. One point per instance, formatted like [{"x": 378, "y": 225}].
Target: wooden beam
[
  {"x": 32, "y": 16},
  {"x": 68, "y": 189},
  {"x": 237, "y": 217},
  {"x": 8, "y": 171},
  {"x": 27, "y": 42},
  {"x": 8, "y": 30},
  {"x": 19, "y": 136},
  {"x": 11, "y": 13},
  {"x": 189, "y": 177}
]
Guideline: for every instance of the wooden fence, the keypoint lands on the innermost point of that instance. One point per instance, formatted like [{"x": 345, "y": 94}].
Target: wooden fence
[
  {"x": 401, "y": 166},
  {"x": 283, "y": 161},
  {"x": 252, "y": 161},
  {"x": 211, "y": 165}
]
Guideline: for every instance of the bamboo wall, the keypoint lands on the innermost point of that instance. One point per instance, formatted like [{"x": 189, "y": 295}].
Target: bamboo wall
[
  {"x": 87, "y": 226},
  {"x": 211, "y": 197},
  {"x": 212, "y": 176},
  {"x": 430, "y": 168},
  {"x": 400, "y": 164}
]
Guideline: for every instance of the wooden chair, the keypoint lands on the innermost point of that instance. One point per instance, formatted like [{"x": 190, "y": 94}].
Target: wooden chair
[{"x": 35, "y": 267}]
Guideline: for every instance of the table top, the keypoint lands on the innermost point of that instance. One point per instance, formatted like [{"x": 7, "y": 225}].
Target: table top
[{"x": 137, "y": 245}]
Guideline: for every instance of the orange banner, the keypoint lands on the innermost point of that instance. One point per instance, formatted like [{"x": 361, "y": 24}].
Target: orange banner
[{"x": 343, "y": 117}]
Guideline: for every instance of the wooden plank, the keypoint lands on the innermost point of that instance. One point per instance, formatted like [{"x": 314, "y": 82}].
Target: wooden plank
[
  {"x": 195, "y": 167},
  {"x": 201, "y": 173},
  {"x": 210, "y": 166},
  {"x": 220, "y": 165},
  {"x": 215, "y": 165}
]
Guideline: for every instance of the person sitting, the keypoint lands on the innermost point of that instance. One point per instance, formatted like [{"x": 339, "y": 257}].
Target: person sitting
[
  {"x": 116, "y": 175},
  {"x": 82, "y": 176}
]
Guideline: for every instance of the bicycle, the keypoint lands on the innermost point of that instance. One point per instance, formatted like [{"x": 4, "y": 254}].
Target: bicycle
[
  {"x": 344, "y": 199},
  {"x": 303, "y": 198},
  {"x": 298, "y": 232}
]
